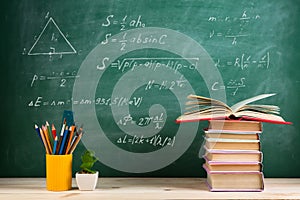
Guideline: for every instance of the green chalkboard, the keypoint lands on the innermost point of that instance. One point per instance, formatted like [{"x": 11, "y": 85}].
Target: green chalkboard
[{"x": 125, "y": 68}]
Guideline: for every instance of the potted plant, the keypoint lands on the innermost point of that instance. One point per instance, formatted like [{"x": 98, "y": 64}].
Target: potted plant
[{"x": 87, "y": 178}]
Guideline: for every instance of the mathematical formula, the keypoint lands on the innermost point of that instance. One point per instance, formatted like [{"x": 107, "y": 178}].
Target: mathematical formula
[
  {"x": 246, "y": 61},
  {"x": 156, "y": 140},
  {"x": 166, "y": 84},
  {"x": 233, "y": 84},
  {"x": 174, "y": 64},
  {"x": 61, "y": 76},
  {"x": 116, "y": 101},
  {"x": 157, "y": 120},
  {"x": 124, "y": 22},
  {"x": 236, "y": 26},
  {"x": 140, "y": 39}
]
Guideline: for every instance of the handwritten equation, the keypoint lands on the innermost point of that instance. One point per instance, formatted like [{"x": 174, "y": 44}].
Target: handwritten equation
[
  {"x": 174, "y": 64},
  {"x": 166, "y": 84},
  {"x": 125, "y": 22},
  {"x": 236, "y": 26},
  {"x": 157, "y": 120},
  {"x": 156, "y": 140},
  {"x": 246, "y": 61},
  {"x": 140, "y": 39},
  {"x": 233, "y": 84},
  {"x": 61, "y": 76},
  {"x": 101, "y": 101}
]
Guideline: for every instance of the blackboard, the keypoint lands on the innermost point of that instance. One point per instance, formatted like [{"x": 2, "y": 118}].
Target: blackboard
[{"x": 125, "y": 68}]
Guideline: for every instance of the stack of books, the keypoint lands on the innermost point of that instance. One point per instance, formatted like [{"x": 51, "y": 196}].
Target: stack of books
[{"x": 233, "y": 157}]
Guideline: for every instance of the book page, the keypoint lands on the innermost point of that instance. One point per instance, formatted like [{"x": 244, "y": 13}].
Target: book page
[
  {"x": 200, "y": 100},
  {"x": 238, "y": 105},
  {"x": 260, "y": 116}
]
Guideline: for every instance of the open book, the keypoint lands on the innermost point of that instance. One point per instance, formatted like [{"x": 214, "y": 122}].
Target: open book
[{"x": 203, "y": 108}]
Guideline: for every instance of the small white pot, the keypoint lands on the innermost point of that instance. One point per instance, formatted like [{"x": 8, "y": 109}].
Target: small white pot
[{"x": 86, "y": 181}]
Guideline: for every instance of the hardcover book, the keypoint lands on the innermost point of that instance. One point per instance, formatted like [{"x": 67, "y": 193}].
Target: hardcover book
[
  {"x": 232, "y": 135},
  {"x": 235, "y": 181},
  {"x": 233, "y": 155},
  {"x": 233, "y": 160},
  {"x": 237, "y": 126},
  {"x": 203, "y": 108},
  {"x": 231, "y": 144},
  {"x": 233, "y": 166}
]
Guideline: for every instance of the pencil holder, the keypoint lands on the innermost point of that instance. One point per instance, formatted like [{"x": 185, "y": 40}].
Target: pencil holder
[{"x": 58, "y": 172}]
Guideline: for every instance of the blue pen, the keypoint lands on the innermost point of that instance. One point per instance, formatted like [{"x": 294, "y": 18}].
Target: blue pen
[
  {"x": 55, "y": 144},
  {"x": 62, "y": 146}
]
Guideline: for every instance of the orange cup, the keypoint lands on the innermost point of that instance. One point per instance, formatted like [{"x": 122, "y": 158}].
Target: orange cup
[{"x": 59, "y": 172}]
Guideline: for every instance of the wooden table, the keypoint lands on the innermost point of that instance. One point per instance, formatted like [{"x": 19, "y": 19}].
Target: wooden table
[{"x": 144, "y": 188}]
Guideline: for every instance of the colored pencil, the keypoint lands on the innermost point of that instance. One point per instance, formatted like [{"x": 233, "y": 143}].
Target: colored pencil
[
  {"x": 75, "y": 143},
  {"x": 53, "y": 131},
  {"x": 45, "y": 131},
  {"x": 55, "y": 144},
  {"x": 61, "y": 136},
  {"x": 80, "y": 129},
  {"x": 38, "y": 131},
  {"x": 49, "y": 132},
  {"x": 44, "y": 141},
  {"x": 68, "y": 146},
  {"x": 62, "y": 145}
]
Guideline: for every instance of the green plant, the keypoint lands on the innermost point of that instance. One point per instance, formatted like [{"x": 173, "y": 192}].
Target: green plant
[{"x": 88, "y": 160}]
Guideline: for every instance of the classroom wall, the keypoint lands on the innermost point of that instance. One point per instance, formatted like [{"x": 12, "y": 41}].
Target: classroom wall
[{"x": 125, "y": 68}]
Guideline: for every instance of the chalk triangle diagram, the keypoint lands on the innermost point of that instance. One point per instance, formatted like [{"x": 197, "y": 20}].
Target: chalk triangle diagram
[{"x": 51, "y": 41}]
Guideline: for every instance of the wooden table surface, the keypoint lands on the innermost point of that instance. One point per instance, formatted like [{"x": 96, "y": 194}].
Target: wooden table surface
[{"x": 144, "y": 188}]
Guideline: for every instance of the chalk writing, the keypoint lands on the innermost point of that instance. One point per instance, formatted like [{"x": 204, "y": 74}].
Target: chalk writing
[
  {"x": 166, "y": 84},
  {"x": 139, "y": 39},
  {"x": 232, "y": 85},
  {"x": 246, "y": 61},
  {"x": 51, "y": 28},
  {"x": 62, "y": 76},
  {"x": 119, "y": 101},
  {"x": 244, "y": 17},
  {"x": 156, "y": 140},
  {"x": 174, "y": 64},
  {"x": 237, "y": 23},
  {"x": 228, "y": 34},
  {"x": 125, "y": 22},
  {"x": 101, "y": 101},
  {"x": 157, "y": 120}
]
